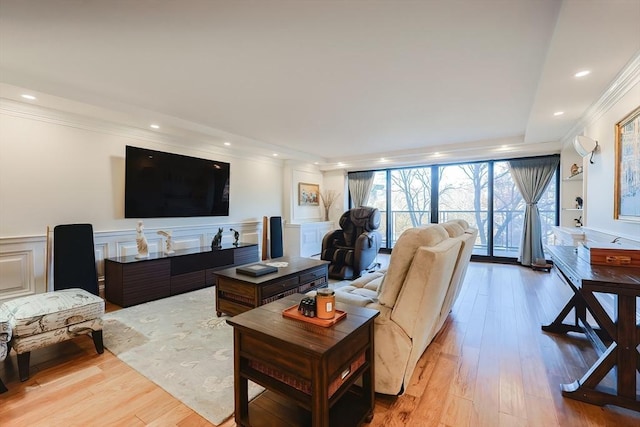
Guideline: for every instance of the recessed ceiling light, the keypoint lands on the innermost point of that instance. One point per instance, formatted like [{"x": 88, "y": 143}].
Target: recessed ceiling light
[
  {"x": 316, "y": 163},
  {"x": 29, "y": 97},
  {"x": 582, "y": 73},
  {"x": 275, "y": 154},
  {"x": 436, "y": 154},
  {"x": 340, "y": 164},
  {"x": 558, "y": 113},
  {"x": 154, "y": 126},
  {"x": 382, "y": 159},
  {"x": 227, "y": 143}
]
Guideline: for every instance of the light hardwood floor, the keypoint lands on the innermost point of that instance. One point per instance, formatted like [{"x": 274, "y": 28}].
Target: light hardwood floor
[{"x": 490, "y": 366}]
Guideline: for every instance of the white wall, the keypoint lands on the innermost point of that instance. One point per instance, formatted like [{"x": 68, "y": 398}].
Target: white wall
[
  {"x": 60, "y": 169},
  {"x": 336, "y": 181},
  {"x": 599, "y": 197},
  {"x": 55, "y": 173},
  {"x": 294, "y": 174}
]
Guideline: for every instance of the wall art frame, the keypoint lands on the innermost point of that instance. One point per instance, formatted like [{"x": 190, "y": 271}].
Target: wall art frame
[
  {"x": 308, "y": 194},
  {"x": 626, "y": 205}
]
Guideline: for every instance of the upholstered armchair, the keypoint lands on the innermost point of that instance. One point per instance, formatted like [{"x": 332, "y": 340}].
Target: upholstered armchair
[{"x": 354, "y": 247}]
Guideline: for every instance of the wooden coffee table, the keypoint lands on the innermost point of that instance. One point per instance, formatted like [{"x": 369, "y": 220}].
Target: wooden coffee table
[
  {"x": 309, "y": 371},
  {"x": 237, "y": 293}
]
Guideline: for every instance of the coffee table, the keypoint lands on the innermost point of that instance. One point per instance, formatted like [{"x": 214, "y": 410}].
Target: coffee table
[
  {"x": 237, "y": 293},
  {"x": 309, "y": 371}
]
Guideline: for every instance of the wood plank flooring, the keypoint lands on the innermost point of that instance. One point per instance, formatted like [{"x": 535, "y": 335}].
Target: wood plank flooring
[{"x": 490, "y": 366}]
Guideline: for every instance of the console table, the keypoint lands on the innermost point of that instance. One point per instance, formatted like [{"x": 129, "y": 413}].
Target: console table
[
  {"x": 309, "y": 371},
  {"x": 130, "y": 281},
  {"x": 615, "y": 339},
  {"x": 237, "y": 293}
]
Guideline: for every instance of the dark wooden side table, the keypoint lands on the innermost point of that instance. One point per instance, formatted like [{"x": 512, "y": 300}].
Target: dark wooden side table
[
  {"x": 237, "y": 293},
  {"x": 615, "y": 338},
  {"x": 308, "y": 371}
]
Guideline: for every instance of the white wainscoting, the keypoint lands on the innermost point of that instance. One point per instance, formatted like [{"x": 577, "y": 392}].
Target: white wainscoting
[{"x": 23, "y": 260}]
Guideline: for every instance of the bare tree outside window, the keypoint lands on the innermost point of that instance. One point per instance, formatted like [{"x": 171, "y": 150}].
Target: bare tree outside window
[
  {"x": 463, "y": 192},
  {"x": 410, "y": 199}
]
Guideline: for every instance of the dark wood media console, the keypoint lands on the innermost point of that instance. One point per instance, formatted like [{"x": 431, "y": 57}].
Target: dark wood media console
[{"x": 130, "y": 281}]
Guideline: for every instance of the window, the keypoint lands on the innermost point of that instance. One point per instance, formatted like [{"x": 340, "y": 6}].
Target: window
[
  {"x": 508, "y": 212},
  {"x": 410, "y": 200},
  {"x": 378, "y": 199},
  {"x": 463, "y": 194},
  {"x": 482, "y": 193}
]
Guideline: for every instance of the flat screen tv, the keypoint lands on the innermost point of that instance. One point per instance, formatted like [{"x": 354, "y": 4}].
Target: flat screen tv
[{"x": 161, "y": 185}]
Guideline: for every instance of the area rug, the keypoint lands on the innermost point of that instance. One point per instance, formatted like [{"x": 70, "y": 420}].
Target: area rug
[{"x": 181, "y": 345}]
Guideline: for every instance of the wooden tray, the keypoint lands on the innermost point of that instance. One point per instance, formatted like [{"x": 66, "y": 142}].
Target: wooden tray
[{"x": 293, "y": 313}]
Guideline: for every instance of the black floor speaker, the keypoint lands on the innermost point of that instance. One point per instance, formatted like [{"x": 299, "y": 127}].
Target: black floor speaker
[{"x": 275, "y": 223}]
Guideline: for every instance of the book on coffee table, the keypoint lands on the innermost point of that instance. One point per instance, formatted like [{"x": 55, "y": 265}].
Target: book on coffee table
[{"x": 256, "y": 270}]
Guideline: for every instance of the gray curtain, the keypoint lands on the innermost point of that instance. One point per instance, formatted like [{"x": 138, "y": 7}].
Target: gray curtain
[
  {"x": 360, "y": 184},
  {"x": 532, "y": 176}
]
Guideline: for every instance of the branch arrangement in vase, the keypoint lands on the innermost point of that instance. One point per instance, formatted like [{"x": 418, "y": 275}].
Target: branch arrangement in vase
[{"x": 328, "y": 197}]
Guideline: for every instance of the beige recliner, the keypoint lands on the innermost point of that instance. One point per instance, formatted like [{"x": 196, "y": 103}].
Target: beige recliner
[
  {"x": 458, "y": 229},
  {"x": 413, "y": 295}
]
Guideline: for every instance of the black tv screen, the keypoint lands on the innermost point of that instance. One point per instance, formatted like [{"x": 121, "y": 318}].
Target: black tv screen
[{"x": 160, "y": 185}]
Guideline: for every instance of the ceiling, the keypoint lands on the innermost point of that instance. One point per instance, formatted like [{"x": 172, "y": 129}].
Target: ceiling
[{"x": 327, "y": 81}]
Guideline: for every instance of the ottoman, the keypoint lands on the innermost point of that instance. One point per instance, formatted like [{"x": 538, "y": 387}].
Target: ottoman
[
  {"x": 5, "y": 336},
  {"x": 43, "y": 319}
]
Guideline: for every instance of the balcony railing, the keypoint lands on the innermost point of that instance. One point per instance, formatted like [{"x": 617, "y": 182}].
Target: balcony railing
[{"x": 507, "y": 227}]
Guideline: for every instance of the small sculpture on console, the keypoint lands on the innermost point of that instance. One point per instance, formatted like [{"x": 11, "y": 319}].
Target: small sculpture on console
[
  {"x": 141, "y": 242},
  {"x": 169, "y": 248},
  {"x": 216, "y": 243},
  {"x": 236, "y": 236}
]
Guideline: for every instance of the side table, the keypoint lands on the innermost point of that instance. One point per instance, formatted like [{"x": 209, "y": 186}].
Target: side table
[{"x": 309, "y": 371}]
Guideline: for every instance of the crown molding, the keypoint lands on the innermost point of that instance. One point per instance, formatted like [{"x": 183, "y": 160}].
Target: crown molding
[
  {"x": 495, "y": 149},
  {"x": 188, "y": 140},
  {"x": 624, "y": 81}
]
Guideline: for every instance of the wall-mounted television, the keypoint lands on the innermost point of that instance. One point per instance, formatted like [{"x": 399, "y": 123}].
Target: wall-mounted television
[{"x": 161, "y": 185}]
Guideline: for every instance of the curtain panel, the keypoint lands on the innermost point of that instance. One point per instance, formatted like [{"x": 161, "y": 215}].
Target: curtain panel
[
  {"x": 532, "y": 176},
  {"x": 360, "y": 185}
]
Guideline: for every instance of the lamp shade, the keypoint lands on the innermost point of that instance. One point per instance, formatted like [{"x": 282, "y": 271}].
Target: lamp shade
[{"x": 584, "y": 145}]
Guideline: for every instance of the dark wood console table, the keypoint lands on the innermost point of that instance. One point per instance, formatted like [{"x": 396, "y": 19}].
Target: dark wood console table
[
  {"x": 130, "y": 281},
  {"x": 615, "y": 339}
]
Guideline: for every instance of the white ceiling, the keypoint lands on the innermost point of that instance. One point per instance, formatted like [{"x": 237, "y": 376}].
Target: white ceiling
[{"x": 326, "y": 80}]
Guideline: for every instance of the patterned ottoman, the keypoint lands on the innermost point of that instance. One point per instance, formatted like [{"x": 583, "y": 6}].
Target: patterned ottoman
[
  {"x": 43, "y": 319},
  {"x": 5, "y": 337}
]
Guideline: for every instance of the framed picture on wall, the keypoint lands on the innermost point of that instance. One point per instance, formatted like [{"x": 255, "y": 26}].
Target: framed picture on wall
[
  {"x": 627, "y": 179},
  {"x": 308, "y": 194}
]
